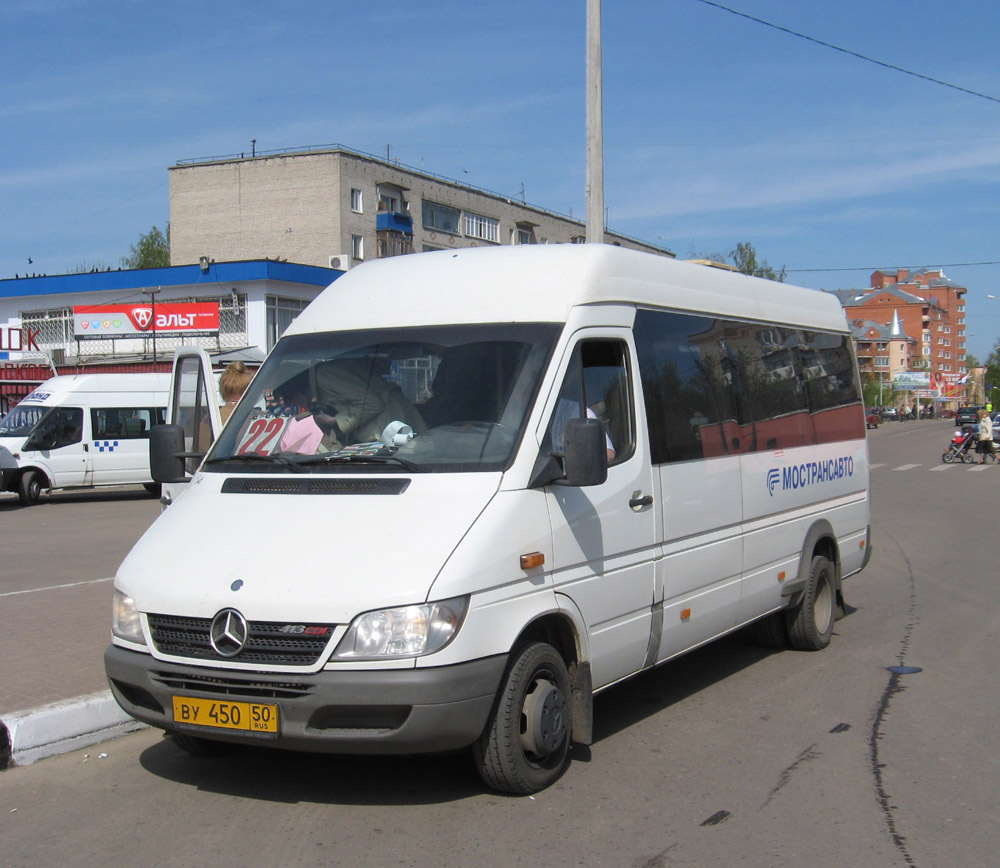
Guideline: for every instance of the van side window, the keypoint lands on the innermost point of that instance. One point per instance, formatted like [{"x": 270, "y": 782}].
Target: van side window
[
  {"x": 128, "y": 423},
  {"x": 831, "y": 383},
  {"x": 62, "y": 427},
  {"x": 687, "y": 382},
  {"x": 598, "y": 380},
  {"x": 715, "y": 387}
]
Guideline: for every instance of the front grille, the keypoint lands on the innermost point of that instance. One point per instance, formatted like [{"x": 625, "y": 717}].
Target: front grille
[
  {"x": 313, "y": 485},
  {"x": 249, "y": 687},
  {"x": 267, "y": 644}
]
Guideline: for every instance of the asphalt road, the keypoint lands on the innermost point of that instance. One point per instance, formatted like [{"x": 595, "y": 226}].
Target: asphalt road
[{"x": 730, "y": 756}]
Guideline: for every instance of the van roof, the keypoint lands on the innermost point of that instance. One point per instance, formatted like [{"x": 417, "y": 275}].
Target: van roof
[
  {"x": 542, "y": 283},
  {"x": 66, "y": 384}
]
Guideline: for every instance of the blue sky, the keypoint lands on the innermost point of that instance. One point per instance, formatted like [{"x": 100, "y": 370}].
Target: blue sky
[{"x": 717, "y": 129}]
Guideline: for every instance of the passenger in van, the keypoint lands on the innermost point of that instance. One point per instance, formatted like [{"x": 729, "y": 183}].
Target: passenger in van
[
  {"x": 365, "y": 402},
  {"x": 232, "y": 384}
]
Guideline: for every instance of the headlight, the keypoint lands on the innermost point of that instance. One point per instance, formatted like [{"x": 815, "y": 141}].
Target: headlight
[
  {"x": 125, "y": 621},
  {"x": 407, "y": 631}
]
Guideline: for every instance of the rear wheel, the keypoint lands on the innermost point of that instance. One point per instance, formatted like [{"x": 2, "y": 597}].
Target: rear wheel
[
  {"x": 810, "y": 624},
  {"x": 525, "y": 747},
  {"x": 29, "y": 487}
]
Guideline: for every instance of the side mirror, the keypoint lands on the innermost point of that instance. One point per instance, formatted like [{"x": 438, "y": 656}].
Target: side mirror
[
  {"x": 40, "y": 441},
  {"x": 166, "y": 453},
  {"x": 586, "y": 455}
]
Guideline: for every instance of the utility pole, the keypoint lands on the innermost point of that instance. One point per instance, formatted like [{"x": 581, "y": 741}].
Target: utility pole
[
  {"x": 152, "y": 295},
  {"x": 595, "y": 125}
]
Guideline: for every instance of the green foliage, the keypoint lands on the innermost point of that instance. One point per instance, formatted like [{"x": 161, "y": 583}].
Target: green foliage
[
  {"x": 744, "y": 257},
  {"x": 991, "y": 377},
  {"x": 152, "y": 250}
]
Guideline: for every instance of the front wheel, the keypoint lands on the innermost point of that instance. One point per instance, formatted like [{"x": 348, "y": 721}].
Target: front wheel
[
  {"x": 948, "y": 457},
  {"x": 29, "y": 487},
  {"x": 525, "y": 746},
  {"x": 810, "y": 624}
]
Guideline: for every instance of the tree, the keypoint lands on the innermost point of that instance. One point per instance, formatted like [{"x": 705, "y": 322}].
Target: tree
[
  {"x": 152, "y": 250},
  {"x": 744, "y": 257}
]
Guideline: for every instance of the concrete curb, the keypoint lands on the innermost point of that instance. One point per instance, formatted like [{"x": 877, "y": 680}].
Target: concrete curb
[{"x": 28, "y": 736}]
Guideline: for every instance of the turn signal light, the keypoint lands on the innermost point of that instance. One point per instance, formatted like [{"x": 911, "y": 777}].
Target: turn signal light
[
  {"x": 781, "y": 576},
  {"x": 532, "y": 559},
  {"x": 685, "y": 614}
]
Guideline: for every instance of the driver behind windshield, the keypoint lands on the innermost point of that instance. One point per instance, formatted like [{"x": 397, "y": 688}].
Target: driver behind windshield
[{"x": 363, "y": 401}]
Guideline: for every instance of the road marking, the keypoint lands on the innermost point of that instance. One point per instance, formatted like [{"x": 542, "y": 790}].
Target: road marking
[
  {"x": 906, "y": 467},
  {"x": 941, "y": 467},
  {"x": 873, "y": 466},
  {"x": 54, "y": 587}
]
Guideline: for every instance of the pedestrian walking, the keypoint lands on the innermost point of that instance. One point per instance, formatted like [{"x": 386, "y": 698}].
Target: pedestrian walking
[{"x": 985, "y": 444}]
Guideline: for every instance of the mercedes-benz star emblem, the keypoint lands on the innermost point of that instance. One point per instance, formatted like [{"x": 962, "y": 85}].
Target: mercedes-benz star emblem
[{"x": 229, "y": 633}]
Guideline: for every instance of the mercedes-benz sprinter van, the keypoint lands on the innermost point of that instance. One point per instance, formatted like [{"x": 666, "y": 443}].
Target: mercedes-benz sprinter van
[{"x": 467, "y": 490}]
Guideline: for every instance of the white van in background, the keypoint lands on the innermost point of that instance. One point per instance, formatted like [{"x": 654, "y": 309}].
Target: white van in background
[
  {"x": 468, "y": 490},
  {"x": 82, "y": 431}
]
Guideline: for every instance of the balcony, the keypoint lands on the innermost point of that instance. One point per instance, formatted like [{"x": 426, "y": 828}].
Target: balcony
[{"x": 394, "y": 221}]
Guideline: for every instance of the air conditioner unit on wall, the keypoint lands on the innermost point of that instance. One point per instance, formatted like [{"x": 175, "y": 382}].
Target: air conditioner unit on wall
[{"x": 340, "y": 261}]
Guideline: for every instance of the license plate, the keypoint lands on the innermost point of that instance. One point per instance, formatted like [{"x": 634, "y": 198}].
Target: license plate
[{"x": 245, "y": 716}]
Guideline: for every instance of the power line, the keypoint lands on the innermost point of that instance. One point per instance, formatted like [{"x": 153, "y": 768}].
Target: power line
[
  {"x": 883, "y": 268},
  {"x": 851, "y": 53}
]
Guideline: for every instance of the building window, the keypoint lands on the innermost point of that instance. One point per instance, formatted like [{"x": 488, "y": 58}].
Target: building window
[
  {"x": 524, "y": 235},
  {"x": 478, "y": 226},
  {"x": 357, "y": 202},
  {"x": 358, "y": 246},
  {"x": 440, "y": 218},
  {"x": 881, "y": 361},
  {"x": 280, "y": 313}
]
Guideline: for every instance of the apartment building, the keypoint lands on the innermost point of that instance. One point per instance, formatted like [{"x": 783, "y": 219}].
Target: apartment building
[
  {"x": 334, "y": 207},
  {"x": 923, "y": 305}
]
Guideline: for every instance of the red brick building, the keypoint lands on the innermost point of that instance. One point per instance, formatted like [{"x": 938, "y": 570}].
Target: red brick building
[{"x": 931, "y": 311}]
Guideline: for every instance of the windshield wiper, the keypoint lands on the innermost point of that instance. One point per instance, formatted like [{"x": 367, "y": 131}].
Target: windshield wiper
[
  {"x": 251, "y": 457},
  {"x": 349, "y": 458}
]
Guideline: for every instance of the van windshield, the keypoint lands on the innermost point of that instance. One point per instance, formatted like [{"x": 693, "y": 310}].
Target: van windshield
[
  {"x": 426, "y": 399},
  {"x": 20, "y": 421}
]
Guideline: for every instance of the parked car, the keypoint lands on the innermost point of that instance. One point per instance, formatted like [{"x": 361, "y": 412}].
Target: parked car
[
  {"x": 889, "y": 414},
  {"x": 967, "y": 415},
  {"x": 872, "y": 418}
]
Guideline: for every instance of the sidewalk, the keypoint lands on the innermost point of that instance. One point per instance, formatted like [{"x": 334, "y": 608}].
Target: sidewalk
[{"x": 54, "y": 696}]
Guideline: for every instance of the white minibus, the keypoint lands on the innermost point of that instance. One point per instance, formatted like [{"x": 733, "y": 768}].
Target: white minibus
[
  {"x": 82, "y": 431},
  {"x": 467, "y": 490}
]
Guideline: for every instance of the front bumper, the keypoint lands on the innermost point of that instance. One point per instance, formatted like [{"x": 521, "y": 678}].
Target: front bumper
[{"x": 394, "y": 711}]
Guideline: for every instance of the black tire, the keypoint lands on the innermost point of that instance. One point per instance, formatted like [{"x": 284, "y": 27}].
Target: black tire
[
  {"x": 196, "y": 746},
  {"x": 948, "y": 457},
  {"x": 810, "y": 623},
  {"x": 770, "y": 632},
  {"x": 525, "y": 746},
  {"x": 154, "y": 488},
  {"x": 29, "y": 487}
]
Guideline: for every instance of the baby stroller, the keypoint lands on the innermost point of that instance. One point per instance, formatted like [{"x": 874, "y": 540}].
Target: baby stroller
[{"x": 962, "y": 447}]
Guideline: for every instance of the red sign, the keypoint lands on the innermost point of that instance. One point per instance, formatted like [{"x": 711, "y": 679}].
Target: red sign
[{"x": 100, "y": 322}]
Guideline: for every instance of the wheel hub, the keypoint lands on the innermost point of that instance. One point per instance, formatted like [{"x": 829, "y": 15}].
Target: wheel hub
[{"x": 544, "y": 719}]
